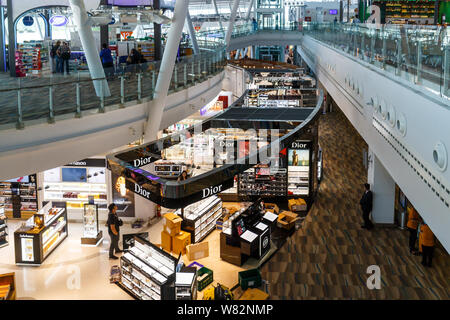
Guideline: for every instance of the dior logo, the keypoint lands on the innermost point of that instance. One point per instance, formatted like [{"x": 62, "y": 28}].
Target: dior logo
[
  {"x": 298, "y": 145},
  {"x": 211, "y": 190},
  {"x": 142, "y": 161},
  {"x": 138, "y": 189},
  {"x": 226, "y": 144}
]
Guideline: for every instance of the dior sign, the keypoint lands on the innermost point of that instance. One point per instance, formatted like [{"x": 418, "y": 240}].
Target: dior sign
[
  {"x": 139, "y": 190},
  {"x": 298, "y": 145},
  {"x": 142, "y": 162},
  {"x": 211, "y": 191}
]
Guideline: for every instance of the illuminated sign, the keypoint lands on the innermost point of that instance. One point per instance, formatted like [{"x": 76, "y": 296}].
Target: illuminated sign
[{"x": 58, "y": 21}]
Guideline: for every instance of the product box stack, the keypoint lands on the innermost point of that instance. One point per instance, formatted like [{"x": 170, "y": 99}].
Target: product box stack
[{"x": 172, "y": 238}]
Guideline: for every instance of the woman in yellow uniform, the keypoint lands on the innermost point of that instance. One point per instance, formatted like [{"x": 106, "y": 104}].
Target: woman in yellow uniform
[
  {"x": 426, "y": 244},
  {"x": 412, "y": 225}
]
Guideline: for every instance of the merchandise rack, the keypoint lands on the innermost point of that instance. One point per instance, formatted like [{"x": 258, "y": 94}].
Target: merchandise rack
[
  {"x": 3, "y": 227},
  {"x": 28, "y": 197},
  {"x": 200, "y": 218},
  {"x": 91, "y": 234},
  {"x": 148, "y": 273}
]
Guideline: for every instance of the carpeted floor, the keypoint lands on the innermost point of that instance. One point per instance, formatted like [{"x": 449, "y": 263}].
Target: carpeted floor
[{"x": 329, "y": 256}]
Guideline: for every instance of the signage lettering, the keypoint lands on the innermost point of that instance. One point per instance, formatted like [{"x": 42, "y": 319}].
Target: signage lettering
[
  {"x": 78, "y": 163},
  {"x": 211, "y": 191},
  {"x": 142, "y": 161},
  {"x": 26, "y": 236},
  {"x": 298, "y": 145},
  {"x": 139, "y": 190},
  {"x": 226, "y": 144}
]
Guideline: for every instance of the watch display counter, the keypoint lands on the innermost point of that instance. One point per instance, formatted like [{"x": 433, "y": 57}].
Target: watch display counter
[
  {"x": 200, "y": 218},
  {"x": 36, "y": 239},
  {"x": 91, "y": 233},
  {"x": 148, "y": 273}
]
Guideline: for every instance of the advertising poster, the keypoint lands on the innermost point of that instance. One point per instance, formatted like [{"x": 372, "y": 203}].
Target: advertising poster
[
  {"x": 298, "y": 169},
  {"x": 122, "y": 197}
]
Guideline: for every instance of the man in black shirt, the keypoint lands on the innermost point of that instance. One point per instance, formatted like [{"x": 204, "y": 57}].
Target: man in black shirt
[
  {"x": 366, "y": 206},
  {"x": 114, "y": 224}
]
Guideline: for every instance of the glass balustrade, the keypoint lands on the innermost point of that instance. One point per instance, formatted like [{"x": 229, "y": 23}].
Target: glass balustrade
[{"x": 37, "y": 98}]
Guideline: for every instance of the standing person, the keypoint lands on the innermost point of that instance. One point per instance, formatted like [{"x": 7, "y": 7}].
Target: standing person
[
  {"x": 64, "y": 54},
  {"x": 107, "y": 60},
  {"x": 412, "y": 225},
  {"x": 255, "y": 24},
  {"x": 426, "y": 244},
  {"x": 114, "y": 224},
  {"x": 56, "y": 62},
  {"x": 366, "y": 206}
]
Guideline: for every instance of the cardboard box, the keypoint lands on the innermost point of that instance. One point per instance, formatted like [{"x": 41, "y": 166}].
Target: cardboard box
[
  {"x": 254, "y": 294},
  {"x": 172, "y": 220},
  {"x": 173, "y": 231},
  {"x": 297, "y": 204},
  {"x": 166, "y": 241},
  {"x": 197, "y": 251},
  {"x": 286, "y": 219},
  {"x": 272, "y": 207},
  {"x": 180, "y": 242}
]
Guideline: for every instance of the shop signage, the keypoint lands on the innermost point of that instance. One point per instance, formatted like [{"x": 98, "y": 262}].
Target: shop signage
[
  {"x": 126, "y": 34},
  {"x": 142, "y": 162},
  {"x": 58, "y": 21},
  {"x": 299, "y": 145},
  {"x": 26, "y": 236},
  {"x": 140, "y": 191},
  {"x": 101, "y": 163},
  {"x": 207, "y": 192},
  {"x": 28, "y": 21}
]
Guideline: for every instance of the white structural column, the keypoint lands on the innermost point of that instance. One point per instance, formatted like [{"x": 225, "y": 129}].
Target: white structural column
[
  {"x": 383, "y": 188},
  {"x": 218, "y": 15},
  {"x": 247, "y": 17},
  {"x": 192, "y": 33},
  {"x": 231, "y": 22},
  {"x": 156, "y": 108},
  {"x": 84, "y": 27}
]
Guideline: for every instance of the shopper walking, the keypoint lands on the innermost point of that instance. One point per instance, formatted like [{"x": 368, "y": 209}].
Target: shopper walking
[
  {"x": 64, "y": 54},
  {"x": 426, "y": 244},
  {"x": 412, "y": 225},
  {"x": 366, "y": 206},
  {"x": 255, "y": 24},
  {"x": 56, "y": 62},
  {"x": 107, "y": 60},
  {"x": 114, "y": 224}
]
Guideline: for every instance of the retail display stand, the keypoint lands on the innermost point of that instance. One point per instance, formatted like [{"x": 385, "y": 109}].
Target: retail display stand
[
  {"x": 148, "y": 272},
  {"x": 200, "y": 218},
  {"x": 3, "y": 227},
  {"x": 20, "y": 197},
  {"x": 186, "y": 284},
  {"x": 92, "y": 236},
  {"x": 40, "y": 235}
]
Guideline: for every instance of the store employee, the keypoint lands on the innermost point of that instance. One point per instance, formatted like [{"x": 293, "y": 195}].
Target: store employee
[{"x": 114, "y": 224}]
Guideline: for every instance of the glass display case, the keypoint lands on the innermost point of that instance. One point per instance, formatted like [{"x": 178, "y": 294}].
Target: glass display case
[
  {"x": 148, "y": 272},
  {"x": 199, "y": 219},
  {"x": 41, "y": 234},
  {"x": 91, "y": 233}
]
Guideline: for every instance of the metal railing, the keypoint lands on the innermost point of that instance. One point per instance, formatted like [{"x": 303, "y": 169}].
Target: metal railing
[
  {"x": 418, "y": 54},
  {"x": 38, "y": 98}
]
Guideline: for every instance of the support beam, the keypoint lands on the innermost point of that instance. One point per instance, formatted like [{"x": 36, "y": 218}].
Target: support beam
[
  {"x": 218, "y": 15},
  {"x": 3, "y": 57},
  {"x": 341, "y": 11},
  {"x": 383, "y": 188},
  {"x": 192, "y": 33},
  {"x": 231, "y": 23},
  {"x": 157, "y": 33},
  {"x": 104, "y": 29},
  {"x": 84, "y": 28},
  {"x": 156, "y": 108},
  {"x": 250, "y": 7},
  {"x": 11, "y": 40}
]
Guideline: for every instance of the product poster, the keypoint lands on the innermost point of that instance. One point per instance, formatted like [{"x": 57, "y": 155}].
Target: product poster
[
  {"x": 122, "y": 197},
  {"x": 298, "y": 169},
  {"x": 27, "y": 249}
]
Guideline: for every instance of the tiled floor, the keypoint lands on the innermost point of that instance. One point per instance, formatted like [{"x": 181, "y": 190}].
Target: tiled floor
[{"x": 328, "y": 258}]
